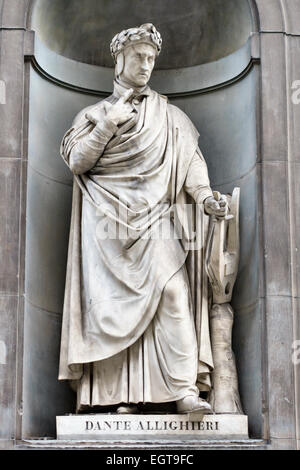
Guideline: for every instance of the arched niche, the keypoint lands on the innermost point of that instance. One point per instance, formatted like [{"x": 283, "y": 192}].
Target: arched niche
[
  {"x": 206, "y": 69},
  {"x": 194, "y": 32}
]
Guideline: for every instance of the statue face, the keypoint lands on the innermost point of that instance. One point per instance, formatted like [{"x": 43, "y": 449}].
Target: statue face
[{"x": 139, "y": 63}]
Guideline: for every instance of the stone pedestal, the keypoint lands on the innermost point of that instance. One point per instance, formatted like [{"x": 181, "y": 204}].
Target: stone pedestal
[{"x": 114, "y": 426}]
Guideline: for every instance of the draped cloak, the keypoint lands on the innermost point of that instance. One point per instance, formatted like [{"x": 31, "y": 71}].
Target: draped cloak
[{"x": 114, "y": 284}]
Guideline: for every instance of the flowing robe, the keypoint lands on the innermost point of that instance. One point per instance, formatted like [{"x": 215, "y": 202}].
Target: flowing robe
[{"x": 131, "y": 185}]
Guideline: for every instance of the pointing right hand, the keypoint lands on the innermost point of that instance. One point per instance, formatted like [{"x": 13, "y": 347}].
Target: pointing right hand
[{"x": 121, "y": 111}]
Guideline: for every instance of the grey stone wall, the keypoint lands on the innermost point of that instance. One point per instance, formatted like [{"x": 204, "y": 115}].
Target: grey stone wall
[
  {"x": 12, "y": 212},
  {"x": 278, "y": 171},
  {"x": 279, "y": 27}
]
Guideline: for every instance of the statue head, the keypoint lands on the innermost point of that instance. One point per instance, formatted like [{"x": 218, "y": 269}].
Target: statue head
[{"x": 134, "y": 51}]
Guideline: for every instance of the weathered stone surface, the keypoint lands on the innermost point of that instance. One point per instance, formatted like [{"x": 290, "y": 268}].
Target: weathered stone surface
[
  {"x": 7, "y": 444},
  {"x": 48, "y": 219},
  {"x": 270, "y": 15},
  {"x": 294, "y": 170},
  {"x": 226, "y": 120},
  {"x": 8, "y": 327},
  {"x": 18, "y": 400},
  {"x": 281, "y": 394},
  {"x": 283, "y": 444},
  {"x": 11, "y": 113},
  {"x": 44, "y": 397},
  {"x": 274, "y": 103},
  {"x": 46, "y": 132},
  {"x": 276, "y": 227},
  {"x": 291, "y": 9},
  {"x": 293, "y": 51},
  {"x": 9, "y": 227},
  {"x": 296, "y": 363},
  {"x": 247, "y": 331},
  {"x": 22, "y": 241},
  {"x": 260, "y": 232},
  {"x": 161, "y": 444},
  {"x": 296, "y": 350},
  {"x": 114, "y": 426},
  {"x": 14, "y": 13}
]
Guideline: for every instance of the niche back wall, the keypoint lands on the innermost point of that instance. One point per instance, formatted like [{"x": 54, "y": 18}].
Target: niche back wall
[{"x": 214, "y": 80}]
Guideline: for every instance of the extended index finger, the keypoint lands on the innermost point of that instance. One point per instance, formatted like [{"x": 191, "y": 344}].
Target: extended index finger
[{"x": 126, "y": 95}]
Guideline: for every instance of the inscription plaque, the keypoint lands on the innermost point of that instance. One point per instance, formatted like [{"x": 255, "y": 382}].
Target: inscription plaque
[{"x": 115, "y": 426}]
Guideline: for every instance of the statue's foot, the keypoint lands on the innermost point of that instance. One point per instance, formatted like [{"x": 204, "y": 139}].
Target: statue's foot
[
  {"x": 192, "y": 404},
  {"x": 127, "y": 410}
]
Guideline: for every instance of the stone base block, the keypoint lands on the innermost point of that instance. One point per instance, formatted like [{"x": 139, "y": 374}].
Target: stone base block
[{"x": 184, "y": 427}]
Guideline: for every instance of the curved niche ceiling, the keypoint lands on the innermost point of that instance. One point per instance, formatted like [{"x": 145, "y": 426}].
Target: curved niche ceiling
[{"x": 194, "y": 32}]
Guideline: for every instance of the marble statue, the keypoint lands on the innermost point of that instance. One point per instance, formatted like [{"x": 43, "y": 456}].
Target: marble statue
[{"x": 136, "y": 311}]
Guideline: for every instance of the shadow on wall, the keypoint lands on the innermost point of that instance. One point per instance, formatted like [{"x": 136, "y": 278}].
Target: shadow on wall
[{"x": 193, "y": 32}]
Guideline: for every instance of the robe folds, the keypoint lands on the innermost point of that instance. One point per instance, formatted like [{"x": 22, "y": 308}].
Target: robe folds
[{"x": 118, "y": 261}]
